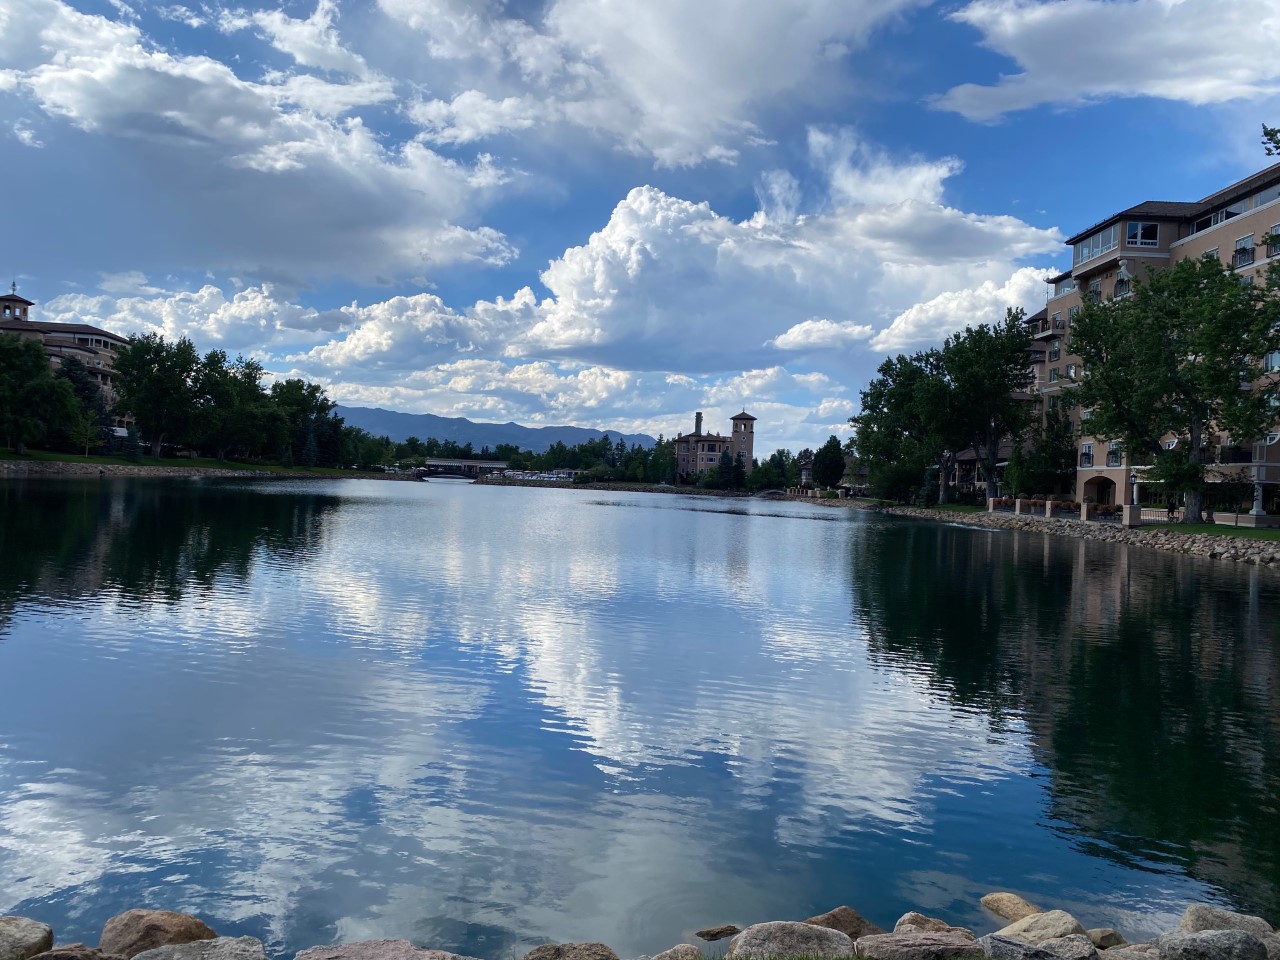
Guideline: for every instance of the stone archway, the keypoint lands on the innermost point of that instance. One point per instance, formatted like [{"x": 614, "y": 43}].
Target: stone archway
[{"x": 1100, "y": 490}]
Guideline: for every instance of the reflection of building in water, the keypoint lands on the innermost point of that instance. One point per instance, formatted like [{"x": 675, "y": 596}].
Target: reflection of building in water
[
  {"x": 699, "y": 452},
  {"x": 1147, "y": 682},
  {"x": 92, "y": 346}
]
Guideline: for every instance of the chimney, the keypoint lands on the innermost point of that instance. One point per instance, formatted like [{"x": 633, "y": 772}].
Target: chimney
[{"x": 697, "y": 422}]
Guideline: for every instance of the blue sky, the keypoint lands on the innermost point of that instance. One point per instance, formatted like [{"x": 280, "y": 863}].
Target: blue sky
[{"x": 599, "y": 212}]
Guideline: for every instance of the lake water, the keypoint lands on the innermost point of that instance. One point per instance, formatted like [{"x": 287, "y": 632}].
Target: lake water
[{"x": 482, "y": 718}]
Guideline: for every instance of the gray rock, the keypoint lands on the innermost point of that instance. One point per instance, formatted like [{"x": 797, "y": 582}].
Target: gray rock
[
  {"x": 1009, "y": 906},
  {"x": 681, "y": 951},
  {"x": 1039, "y": 927},
  {"x": 1141, "y": 951},
  {"x": 375, "y": 950},
  {"x": 135, "y": 931},
  {"x": 918, "y": 946},
  {"x": 1272, "y": 942},
  {"x": 1199, "y": 917},
  {"x": 848, "y": 921},
  {"x": 219, "y": 948},
  {"x": 1004, "y": 948},
  {"x": 75, "y": 951},
  {"x": 21, "y": 937},
  {"x": 1078, "y": 946},
  {"x": 569, "y": 951},
  {"x": 913, "y": 922},
  {"x": 1104, "y": 938},
  {"x": 718, "y": 933},
  {"x": 787, "y": 938},
  {"x": 1211, "y": 945}
]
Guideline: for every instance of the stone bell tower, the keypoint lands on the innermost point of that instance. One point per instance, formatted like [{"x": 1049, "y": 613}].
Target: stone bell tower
[{"x": 744, "y": 437}]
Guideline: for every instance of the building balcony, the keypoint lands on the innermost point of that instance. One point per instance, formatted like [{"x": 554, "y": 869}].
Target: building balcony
[
  {"x": 1234, "y": 455},
  {"x": 1113, "y": 460},
  {"x": 1242, "y": 257},
  {"x": 1273, "y": 249},
  {"x": 1086, "y": 460}
]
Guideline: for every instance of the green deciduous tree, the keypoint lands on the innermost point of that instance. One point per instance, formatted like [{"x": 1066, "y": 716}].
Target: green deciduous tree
[
  {"x": 1180, "y": 357},
  {"x": 32, "y": 400},
  {"x": 828, "y": 463},
  {"x": 1048, "y": 464},
  {"x": 911, "y": 418},
  {"x": 988, "y": 368},
  {"x": 156, "y": 381}
]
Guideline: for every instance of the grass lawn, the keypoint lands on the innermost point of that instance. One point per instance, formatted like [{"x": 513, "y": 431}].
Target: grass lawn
[{"x": 173, "y": 462}]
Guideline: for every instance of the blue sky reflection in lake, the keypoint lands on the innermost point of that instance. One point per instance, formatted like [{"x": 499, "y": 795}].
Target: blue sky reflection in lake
[{"x": 480, "y": 717}]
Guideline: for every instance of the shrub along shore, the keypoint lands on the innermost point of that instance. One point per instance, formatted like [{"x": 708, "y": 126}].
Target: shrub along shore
[{"x": 1023, "y": 932}]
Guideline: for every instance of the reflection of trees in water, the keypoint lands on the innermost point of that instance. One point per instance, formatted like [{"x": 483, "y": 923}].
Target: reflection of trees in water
[
  {"x": 143, "y": 539},
  {"x": 1148, "y": 681}
]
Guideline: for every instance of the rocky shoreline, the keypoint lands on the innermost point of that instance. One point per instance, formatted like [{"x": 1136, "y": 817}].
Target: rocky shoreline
[{"x": 1027, "y": 932}]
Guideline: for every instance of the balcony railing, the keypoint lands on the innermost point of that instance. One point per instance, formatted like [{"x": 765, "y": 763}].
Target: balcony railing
[
  {"x": 1086, "y": 460},
  {"x": 1235, "y": 455},
  {"x": 1113, "y": 459},
  {"x": 1242, "y": 257}
]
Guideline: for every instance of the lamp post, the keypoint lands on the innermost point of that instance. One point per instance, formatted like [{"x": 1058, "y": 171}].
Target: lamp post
[{"x": 1133, "y": 488}]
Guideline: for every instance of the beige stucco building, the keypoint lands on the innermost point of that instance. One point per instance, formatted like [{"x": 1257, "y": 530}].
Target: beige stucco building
[
  {"x": 94, "y": 347},
  {"x": 698, "y": 452},
  {"x": 1105, "y": 257}
]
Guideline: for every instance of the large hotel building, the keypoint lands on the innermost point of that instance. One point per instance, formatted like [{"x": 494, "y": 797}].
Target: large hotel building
[{"x": 1106, "y": 257}]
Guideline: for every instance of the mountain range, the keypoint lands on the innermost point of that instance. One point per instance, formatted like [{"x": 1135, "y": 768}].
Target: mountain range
[{"x": 401, "y": 426}]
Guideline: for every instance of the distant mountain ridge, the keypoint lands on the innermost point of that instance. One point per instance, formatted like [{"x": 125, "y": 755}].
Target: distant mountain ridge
[{"x": 401, "y": 426}]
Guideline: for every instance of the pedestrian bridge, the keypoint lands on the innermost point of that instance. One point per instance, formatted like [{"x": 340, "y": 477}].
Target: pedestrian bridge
[{"x": 441, "y": 467}]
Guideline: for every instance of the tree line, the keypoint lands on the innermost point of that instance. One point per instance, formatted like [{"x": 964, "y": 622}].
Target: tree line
[{"x": 219, "y": 407}]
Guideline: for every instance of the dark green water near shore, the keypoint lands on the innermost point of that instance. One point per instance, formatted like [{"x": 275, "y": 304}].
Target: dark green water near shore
[{"x": 480, "y": 718}]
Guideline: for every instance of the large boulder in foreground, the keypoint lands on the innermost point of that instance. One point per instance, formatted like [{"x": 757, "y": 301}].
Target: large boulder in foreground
[
  {"x": 1199, "y": 917},
  {"x": 375, "y": 950},
  {"x": 1078, "y": 946},
  {"x": 21, "y": 937},
  {"x": 848, "y": 921},
  {"x": 918, "y": 946},
  {"x": 1004, "y": 948},
  {"x": 788, "y": 938},
  {"x": 219, "y": 948},
  {"x": 1211, "y": 945},
  {"x": 712, "y": 934},
  {"x": 571, "y": 951},
  {"x": 134, "y": 931},
  {"x": 1039, "y": 927},
  {"x": 1009, "y": 906}
]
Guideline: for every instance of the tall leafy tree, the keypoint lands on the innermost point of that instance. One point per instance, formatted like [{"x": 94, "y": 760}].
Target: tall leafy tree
[
  {"x": 156, "y": 382},
  {"x": 989, "y": 370},
  {"x": 233, "y": 412},
  {"x": 32, "y": 400},
  {"x": 828, "y": 463},
  {"x": 1179, "y": 359},
  {"x": 911, "y": 418}
]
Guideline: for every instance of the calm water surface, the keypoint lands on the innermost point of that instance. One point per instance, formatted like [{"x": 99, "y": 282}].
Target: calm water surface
[{"x": 482, "y": 718}]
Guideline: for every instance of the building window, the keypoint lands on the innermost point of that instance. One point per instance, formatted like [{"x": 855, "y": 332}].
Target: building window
[
  {"x": 1086, "y": 416},
  {"x": 1095, "y": 290},
  {"x": 1098, "y": 244},
  {"x": 1057, "y": 320},
  {"x": 1243, "y": 255},
  {"x": 1113, "y": 453},
  {"x": 1053, "y": 404},
  {"x": 1071, "y": 371},
  {"x": 1170, "y": 444},
  {"x": 1053, "y": 375},
  {"x": 1055, "y": 349},
  {"x": 1272, "y": 362},
  {"x": 1086, "y": 454},
  {"x": 1072, "y": 311},
  {"x": 1273, "y": 248},
  {"x": 1142, "y": 234}
]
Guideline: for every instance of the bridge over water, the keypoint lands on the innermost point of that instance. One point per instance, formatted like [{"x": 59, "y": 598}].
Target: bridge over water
[{"x": 441, "y": 467}]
